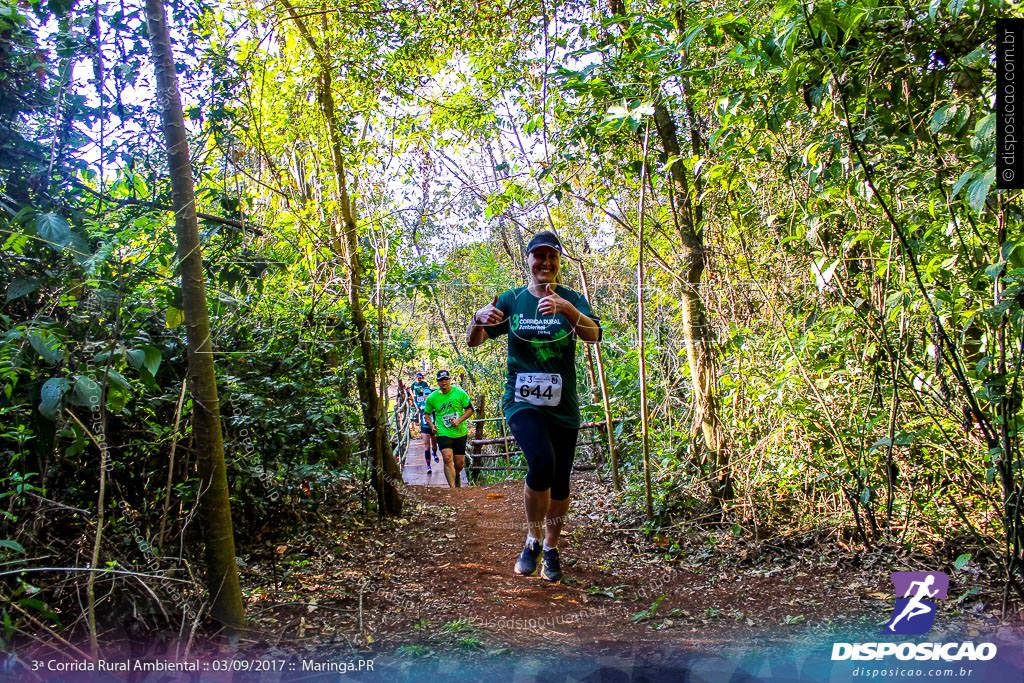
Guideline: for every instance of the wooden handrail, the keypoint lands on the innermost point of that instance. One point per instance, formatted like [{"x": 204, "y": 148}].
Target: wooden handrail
[{"x": 506, "y": 439}]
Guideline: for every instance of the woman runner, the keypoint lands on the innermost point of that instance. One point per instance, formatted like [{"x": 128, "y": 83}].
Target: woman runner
[{"x": 543, "y": 320}]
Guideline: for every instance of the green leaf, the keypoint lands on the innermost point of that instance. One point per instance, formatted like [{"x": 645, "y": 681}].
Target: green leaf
[
  {"x": 993, "y": 270},
  {"x": 977, "y": 192},
  {"x": 967, "y": 176},
  {"x": 87, "y": 392},
  {"x": 175, "y": 317},
  {"x": 50, "y": 396},
  {"x": 47, "y": 346},
  {"x": 139, "y": 185},
  {"x": 11, "y": 545},
  {"x": 955, "y": 7},
  {"x": 118, "y": 380},
  {"x": 979, "y": 57},
  {"x": 649, "y": 613},
  {"x": 146, "y": 357},
  {"x": 984, "y": 135},
  {"x": 938, "y": 119},
  {"x": 79, "y": 248},
  {"x": 866, "y": 495},
  {"x": 535, "y": 123},
  {"x": 39, "y": 606},
  {"x": 1007, "y": 249},
  {"x": 20, "y": 287},
  {"x": 970, "y": 592},
  {"x": 116, "y": 399},
  {"x": 54, "y": 229},
  {"x": 961, "y": 561}
]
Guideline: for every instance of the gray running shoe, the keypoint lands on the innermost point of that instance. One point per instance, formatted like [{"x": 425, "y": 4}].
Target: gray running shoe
[
  {"x": 551, "y": 569},
  {"x": 526, "y": 565}
]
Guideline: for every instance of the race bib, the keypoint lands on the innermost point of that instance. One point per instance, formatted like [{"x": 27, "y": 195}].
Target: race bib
[
  {"x": 449, "y": 420},
  {"x": 539, "y": 388}
]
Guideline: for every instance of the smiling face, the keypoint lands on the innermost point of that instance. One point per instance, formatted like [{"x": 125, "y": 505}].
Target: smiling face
[{"x": 544, "y": 263}]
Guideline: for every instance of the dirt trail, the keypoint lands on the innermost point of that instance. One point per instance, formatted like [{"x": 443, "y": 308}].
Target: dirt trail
[
  {"x": 463, "y": 544},
  {"x": 439, "y": 580}
]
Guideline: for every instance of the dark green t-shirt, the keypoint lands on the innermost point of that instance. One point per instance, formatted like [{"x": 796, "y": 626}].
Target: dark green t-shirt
[
  {"x": 419, "y": 390},
  {"x": 543, "y": 350},
  {"x": 447, "y": 407}
]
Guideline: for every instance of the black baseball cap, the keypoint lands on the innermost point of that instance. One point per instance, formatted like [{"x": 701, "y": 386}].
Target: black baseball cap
[
  {"x": 545, "y": 238},
  {"x": 443, "y": 374}
]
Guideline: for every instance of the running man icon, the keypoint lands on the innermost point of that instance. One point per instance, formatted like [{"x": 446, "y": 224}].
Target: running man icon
[{"x": 914, "y": 612}]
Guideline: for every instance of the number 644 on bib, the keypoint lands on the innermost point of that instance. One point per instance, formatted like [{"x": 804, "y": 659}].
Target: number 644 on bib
[{"x": 539, "y": 388}]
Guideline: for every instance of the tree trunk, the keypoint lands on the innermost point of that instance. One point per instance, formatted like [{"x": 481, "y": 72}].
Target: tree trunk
[
  {"x": 214, "y": 503},
  {"x": 707, "y": 430},
  {"x": 386, "y": 473}
]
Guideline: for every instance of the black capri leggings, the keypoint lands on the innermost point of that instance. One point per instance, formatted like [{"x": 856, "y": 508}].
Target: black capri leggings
[{"x": 549, "y": 449}]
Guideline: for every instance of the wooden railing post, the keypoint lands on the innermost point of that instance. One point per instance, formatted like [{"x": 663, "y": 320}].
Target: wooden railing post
[{"x": 478, "y": 434}]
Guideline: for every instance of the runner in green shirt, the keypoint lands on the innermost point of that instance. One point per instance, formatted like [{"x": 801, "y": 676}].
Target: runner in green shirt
[
  {"x": 447, "y": 410},
  {"x": 542, "y": 321}
]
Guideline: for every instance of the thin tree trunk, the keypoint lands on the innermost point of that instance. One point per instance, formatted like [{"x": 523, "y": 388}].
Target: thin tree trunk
[
  {"x": 613, "y": 453},
  {"x": 645, "y": 441},
  {"x": 438, "y": 308},
  {"x": 707, "y": 424},
  {"x": 214, "y": 503},
  {"x": 386, "y": 471}
]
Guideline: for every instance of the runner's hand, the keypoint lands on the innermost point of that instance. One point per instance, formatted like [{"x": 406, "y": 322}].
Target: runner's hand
[
  {"x": 489, "y": 314},
  {"x": 552, "y": 303}
]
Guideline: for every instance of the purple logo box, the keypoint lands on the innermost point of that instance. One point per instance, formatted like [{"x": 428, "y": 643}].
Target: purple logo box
[{"x": 916, "y": 593}]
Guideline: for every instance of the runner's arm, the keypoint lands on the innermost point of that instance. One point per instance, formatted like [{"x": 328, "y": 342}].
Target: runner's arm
[
  {"x": 466, "y": 414},
  {"x": 487, "y": 317},
  {"x": 586, "y": 328},
  {"x": 476, "y": 334}
]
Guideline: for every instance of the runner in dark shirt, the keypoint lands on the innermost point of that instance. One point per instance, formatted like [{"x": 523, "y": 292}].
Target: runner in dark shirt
[
  {"x": 542, "y": 321},
  {"x": 420, "y": 391}
]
